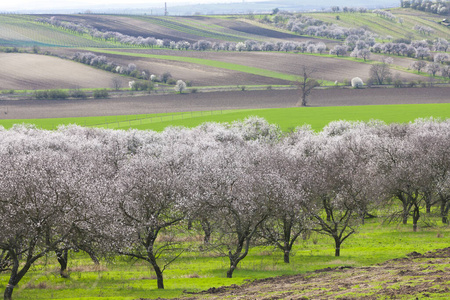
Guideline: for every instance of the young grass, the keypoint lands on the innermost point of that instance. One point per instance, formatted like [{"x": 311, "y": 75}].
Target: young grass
[
  {"x": 194, "y": 271},
  {"x": 286, "y": 118}
]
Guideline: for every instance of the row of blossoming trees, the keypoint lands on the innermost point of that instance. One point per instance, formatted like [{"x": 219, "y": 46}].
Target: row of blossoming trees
[{"x": 141, "y": 193}]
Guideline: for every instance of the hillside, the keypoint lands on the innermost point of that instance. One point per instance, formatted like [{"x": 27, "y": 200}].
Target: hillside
[
  {"x": 384, "y": 27},
  {"x": 29, "y": 71},
  {"x": 221, "y": 51}
]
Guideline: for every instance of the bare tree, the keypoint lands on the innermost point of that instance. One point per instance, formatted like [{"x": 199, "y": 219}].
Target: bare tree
[
  {"x": 116, "y": 83},
  {"x": 306, "y": 84},
  {"x": 380, "y": 72}
]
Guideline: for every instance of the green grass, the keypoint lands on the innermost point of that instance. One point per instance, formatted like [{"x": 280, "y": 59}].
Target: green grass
[
  {"x": 194, "y": 271},
  {"x": 23, "y": 31},
  {"x": 384, "y": 27},
  {"x": 286, "y": 118},
  {"x": 200, "y": 29}
]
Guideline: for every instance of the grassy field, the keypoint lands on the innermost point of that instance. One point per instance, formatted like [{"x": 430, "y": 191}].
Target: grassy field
[
  {"x": 384, "y": 27},
  {"x": 286, "y": 118},
  {"x": 195, "y": 270},
  {"x": 23, "y": 31}
]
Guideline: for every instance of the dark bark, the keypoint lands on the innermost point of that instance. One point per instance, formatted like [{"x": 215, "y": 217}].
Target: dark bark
[
  {"x": 62, "y": 257},
  {"x": 237, "y": 256},
  {"x": 16, "y": 274},
  {"x": 286, "y": 256},
  {"x": 445, "y": 207},
  {"x": 93, "y": 257},
  {"x": 90, "y": 252},
  {"x": 416, "y": 216},
  {"x": 337, "y": 243},
  {"x": 244, "y": 238},
  {"x": 338, "y": 228},
  {"x": 206, "y": 226},
  {"x": 159, "y": 274},
  {"x": 8, "y": 292}
]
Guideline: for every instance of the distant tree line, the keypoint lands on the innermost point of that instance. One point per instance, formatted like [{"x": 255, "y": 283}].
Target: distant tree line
[
  {"x": 141, "y": 194},
  {"x": 201, "y": 45},
  {"x": 436, "y": 7}
]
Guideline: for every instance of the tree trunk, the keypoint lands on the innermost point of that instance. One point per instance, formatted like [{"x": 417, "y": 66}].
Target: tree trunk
[
  {"x": 158, "y": 272},
  {"x": 328, "y": 216},
  {"x": 62, "y": 257},
  {"x": 416, "y": 216},
  {"x": 286, "y": 256},
  {"x": 206, "y": 226},
  {"x": 8, "y": 292},
  {"x": 159, "y": 277},
  {"x": 230, "y": 271},
  {"x": 93, "y": 258},
  {"x": 445, "y": 207},
  {"x": 338, "y": 243}
]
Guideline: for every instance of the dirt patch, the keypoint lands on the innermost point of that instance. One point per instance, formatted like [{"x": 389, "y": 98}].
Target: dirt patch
[
  {"x": 29, "y": 109},
  {"x": 30, "y": 71},
  {"x": 400, "y": 278}
]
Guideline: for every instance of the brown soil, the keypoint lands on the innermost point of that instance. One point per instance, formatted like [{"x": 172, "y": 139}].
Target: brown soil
[
  {"x": 129, "y": 26},
  {"x": 328, "y": 68},
  {"x": 414, "y": 277},
  {"x": 30, "y": 71},
  {"x": 230, "y": 28},
  {"x": 198, "y": 75},
  {"x": 28, "y": 109}
]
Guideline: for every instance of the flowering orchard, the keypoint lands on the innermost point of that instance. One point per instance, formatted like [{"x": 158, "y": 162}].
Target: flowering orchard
[{"x": 140, "y": 194}]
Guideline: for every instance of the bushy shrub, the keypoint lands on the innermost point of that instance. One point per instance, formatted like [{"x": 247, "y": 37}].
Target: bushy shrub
[
  {"x": 101, "y": 94},
  {"x": 51, "y": 94},
  {"x": 171, "y": 81},
  {"x": 78, "y": 94},
  {"x": 398, "y": 83}
]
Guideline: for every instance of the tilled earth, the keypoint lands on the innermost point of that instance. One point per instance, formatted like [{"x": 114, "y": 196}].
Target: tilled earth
[
  {"x": 158, "y": 103},
  {"x": 416, "y": 276}
]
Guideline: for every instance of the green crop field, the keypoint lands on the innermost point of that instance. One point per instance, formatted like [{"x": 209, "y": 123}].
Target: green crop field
[
  {"x": 286, "y": 118},
  {"x": 384, "y": 27},
  {"x": 197, "y": 28},
  {"x": 199, "y": 270},
  {"x": 22, "y": 31}
]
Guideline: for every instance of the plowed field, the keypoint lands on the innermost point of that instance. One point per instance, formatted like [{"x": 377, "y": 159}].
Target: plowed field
[
  {"x": 29, "y": 71},
  {"x": 186, "y": 28},
  {"x": 328, "y": 68},
  {"x": 217, "y": 101}
]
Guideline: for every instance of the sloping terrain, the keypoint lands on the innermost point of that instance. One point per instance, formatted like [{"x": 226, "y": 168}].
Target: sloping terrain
[
  {"x": 22, "y": 31},
  {"x": 327, "y": 68},
  {"x": 416, "y": 276},
  {"x": 384, "y": 27},
  {"x": 29, "y": 71},
  {"x": 189, "y": 28}
]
